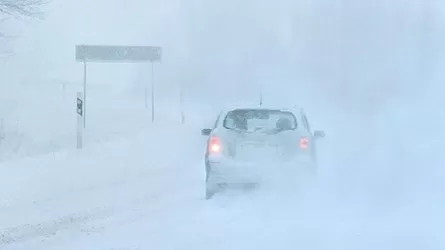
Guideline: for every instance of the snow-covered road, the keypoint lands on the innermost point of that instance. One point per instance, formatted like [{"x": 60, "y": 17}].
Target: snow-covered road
[
  {"x": 68, "y": 192},
  {"x": 145, "y": 192}
]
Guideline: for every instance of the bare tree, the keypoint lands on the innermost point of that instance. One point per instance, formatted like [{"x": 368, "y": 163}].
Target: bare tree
[
  {"x": 21, "y": 8},
  {"x": 16, "y": 9}
]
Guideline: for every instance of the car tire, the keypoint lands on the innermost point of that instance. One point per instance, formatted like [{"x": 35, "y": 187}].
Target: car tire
[
  {"x": 314, "y": 167},
  {"x": 211, "y": 188},
  {"x": 310, "y": 169},
  {"x": 209, "y": 192}
]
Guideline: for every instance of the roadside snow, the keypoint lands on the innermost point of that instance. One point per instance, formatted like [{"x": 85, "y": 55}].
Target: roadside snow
[
  {"x": 144, "y": 190},
  {"x": 47, "y": 123},
  {"x": 40, "y": 195}
]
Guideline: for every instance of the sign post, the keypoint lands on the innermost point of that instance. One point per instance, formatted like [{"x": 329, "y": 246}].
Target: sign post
[
  {"x": 111, "y": 53},
  {"x": 80, "y": 117},
  {"x": 84, "y": 92},
  {"x": 181, "y": 103},
  {"x": 2, "y": 131},
  {"x": 152, "y": 92}
]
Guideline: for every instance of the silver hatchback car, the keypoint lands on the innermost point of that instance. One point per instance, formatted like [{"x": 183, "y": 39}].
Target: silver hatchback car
[{"x": 247, "y": 145}]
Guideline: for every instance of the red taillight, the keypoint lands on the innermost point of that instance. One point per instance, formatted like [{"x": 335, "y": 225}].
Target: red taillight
[
  {"x": 214, "y": 145},
  {"x": 304, "y": 142}
]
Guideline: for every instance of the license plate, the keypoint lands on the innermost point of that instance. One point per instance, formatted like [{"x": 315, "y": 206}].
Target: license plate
[{"x": 254, "y": 152}]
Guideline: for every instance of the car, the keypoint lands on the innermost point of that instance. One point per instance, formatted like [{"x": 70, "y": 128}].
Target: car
[{"x": 246, "y": 142}]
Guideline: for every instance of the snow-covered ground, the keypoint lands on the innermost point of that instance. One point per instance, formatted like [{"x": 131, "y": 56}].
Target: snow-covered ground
[
  {"x": 145, "y": 191},
  {"x": 54, "y": 193},
  {"x": 48, "y": 121},
  {"x": 370, "y": 79}
]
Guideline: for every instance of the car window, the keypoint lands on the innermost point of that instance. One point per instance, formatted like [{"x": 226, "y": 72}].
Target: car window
[{"x": 260, "y": 120}]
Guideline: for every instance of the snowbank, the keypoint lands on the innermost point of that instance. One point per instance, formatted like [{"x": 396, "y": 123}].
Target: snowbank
[
  {"x": 43, "y": 119},
  {"x": 36, "y": 189}
]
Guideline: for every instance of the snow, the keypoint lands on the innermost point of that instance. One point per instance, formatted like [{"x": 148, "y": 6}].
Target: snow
[
  {"x": 48, "y": 122},
  {"x": 43, "y": 195},
  {"x": 370, "y": 79},
  {"x": 145, "y": 191}
]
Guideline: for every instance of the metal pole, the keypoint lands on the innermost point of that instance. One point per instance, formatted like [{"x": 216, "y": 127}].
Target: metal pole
[
  {"x": 79, "y": 122},
  {"x": 152, "y": 92},
  {"x": 146, "y": 95},
  {"x": 261, "y": 96},
  {"x": 64, "y": 90},
  {"x": 181, "y": 103},
  {"x": 84, "y": 93},
  {"x": 2, "y": 130}
]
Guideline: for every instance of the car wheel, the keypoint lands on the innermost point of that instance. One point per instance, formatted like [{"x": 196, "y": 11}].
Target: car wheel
[
  {"x": 310, "y": 169},
  {"x": 209, "y": 192},
  {"x": 314, "y": 167},
  {"x": 210, "y": 188}
]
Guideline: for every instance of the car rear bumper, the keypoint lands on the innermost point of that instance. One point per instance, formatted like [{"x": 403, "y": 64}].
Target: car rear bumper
[
  {"x": 232, "y": 173},
  {"x": 235, "y": 172}
]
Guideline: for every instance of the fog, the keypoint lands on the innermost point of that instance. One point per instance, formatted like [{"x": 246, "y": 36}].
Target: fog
[
  {"x": 369, "y": 73},
  {"x": 349, "y": 53}
]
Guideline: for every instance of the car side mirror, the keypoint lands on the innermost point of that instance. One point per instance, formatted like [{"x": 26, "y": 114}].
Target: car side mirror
[
  {"x": 319, "y": 134},
  {"x": 206, "y": 131}
]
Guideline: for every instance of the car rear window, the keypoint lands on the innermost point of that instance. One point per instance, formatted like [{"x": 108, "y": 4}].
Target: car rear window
[{"x": 259, "y": 120}]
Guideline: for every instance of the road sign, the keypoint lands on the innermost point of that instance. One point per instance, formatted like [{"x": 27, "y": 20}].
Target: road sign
[
  {"x": 111, "y": 53},
  {"x": 80, "y": 117},
  {"x": 79, "y": 106}
]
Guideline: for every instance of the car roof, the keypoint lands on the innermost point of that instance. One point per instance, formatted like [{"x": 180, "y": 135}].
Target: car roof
[{"x": 295, "y": 109}]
